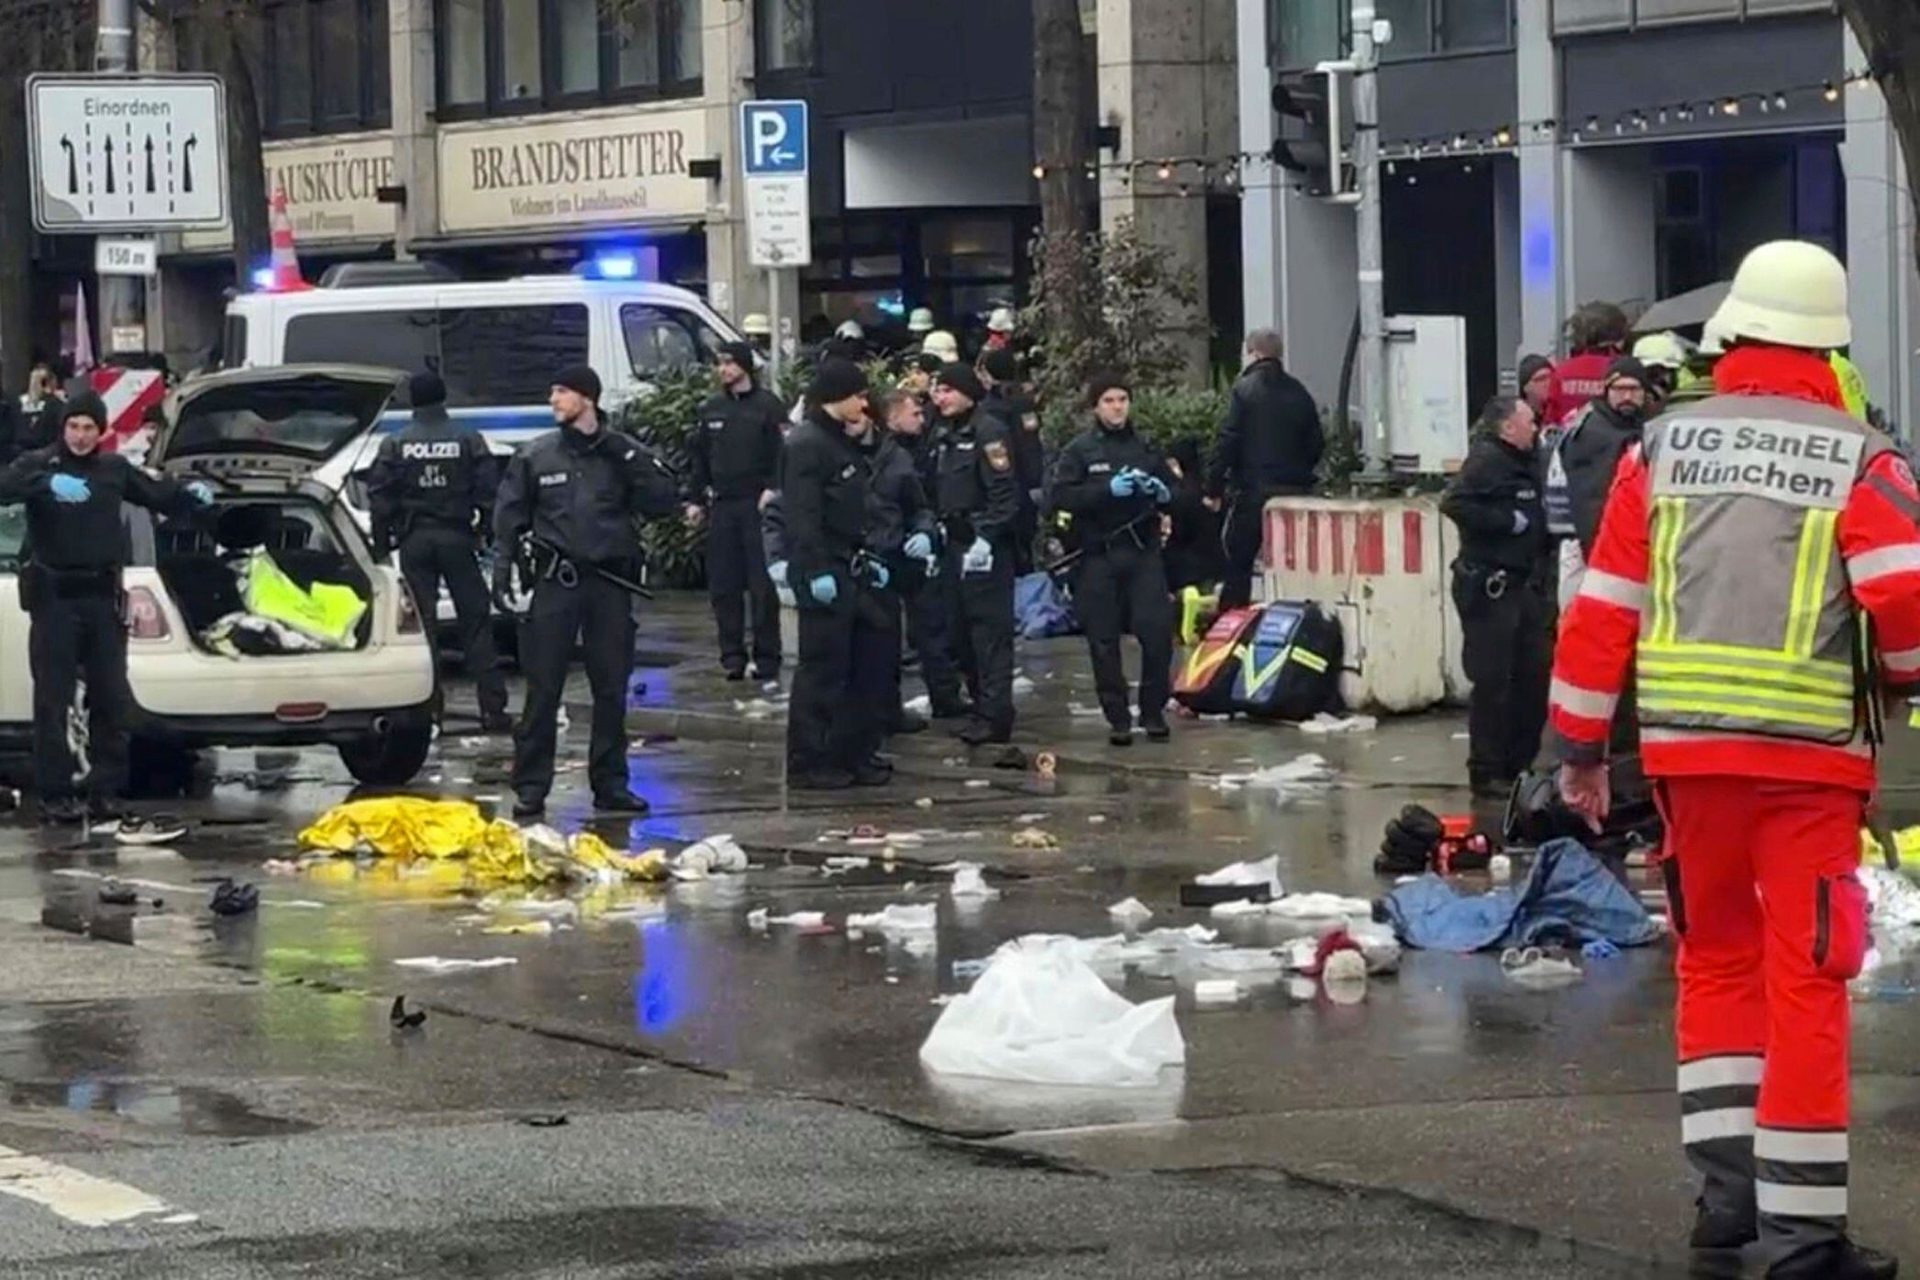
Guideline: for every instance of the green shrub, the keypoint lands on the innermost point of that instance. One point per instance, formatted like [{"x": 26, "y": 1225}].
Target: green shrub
[{"x": 676, "y": 551}]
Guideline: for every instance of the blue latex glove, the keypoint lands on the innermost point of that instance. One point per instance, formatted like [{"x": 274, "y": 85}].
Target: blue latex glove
[
  {"x": 68, "y": 488},
  {"x": 1520, "y": 522},
  {"x": 778, "y": 572},
  {"x": 201, "y": 492},
  {"x": 1122, "y": 485},
  {"x": 918, "y": 547},
  {"x": 979, "y": 557},
  {"x": 1600, "y": 949},
  {"x": 823, "y": 588},
  {"x": 879, "y": 575}
]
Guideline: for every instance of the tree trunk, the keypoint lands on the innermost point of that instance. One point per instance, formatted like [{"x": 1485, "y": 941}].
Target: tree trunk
[
  {"x": 1059, "y": 134},
  {"x": 246, "y": 161},
  {"x": 1889, "y": 31}
]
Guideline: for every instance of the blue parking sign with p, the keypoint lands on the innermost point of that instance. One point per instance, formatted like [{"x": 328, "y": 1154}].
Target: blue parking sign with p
[{"x": 773, "y": 138}]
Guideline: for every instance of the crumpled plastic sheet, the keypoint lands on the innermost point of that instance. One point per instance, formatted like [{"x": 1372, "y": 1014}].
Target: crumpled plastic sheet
[
  {"x": 1130, "y": 913},
  {"x": 898, "y": 917},
  {"x": 1038, "y": 1015},
  {"x": 406, "y": 828},
  {"x": 448, "y": 964},
  {"x": 1117, "y": 950},
  {"x": 1304, "y": 772},
  {"x": 969, "y": 881},
  {"x": 1265, "y": 871},
  {"x": 1325, "y": 723},
  {"x": 1893, "y": 899},
  {"x": 715, "y": 854}
]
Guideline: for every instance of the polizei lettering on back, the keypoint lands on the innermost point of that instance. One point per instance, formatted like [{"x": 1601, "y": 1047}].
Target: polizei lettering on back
[{"x": 1801, "y": 466}]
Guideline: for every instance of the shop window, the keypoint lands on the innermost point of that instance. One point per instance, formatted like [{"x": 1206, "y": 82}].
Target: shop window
[
  {"x": 326, "y": 67},
  {"x": 786, "y": 34},
  {"x": 512, "y": 57},
  {"x": 1473, "y": 24},
  {"x": 1307, "y": 31},
  {"x": 660, "y": 339},
  {"x": 507, "y": 355},
  {"x": 1412, "y": 27},
  {"x": 1310, "y": 31}
]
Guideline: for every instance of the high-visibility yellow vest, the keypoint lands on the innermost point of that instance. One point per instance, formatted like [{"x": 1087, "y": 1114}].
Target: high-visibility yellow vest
[
  {"x": 329, "y": 612},
  {"x": 1750, "y": 625},
  {"x": 1853, "y": 386}
]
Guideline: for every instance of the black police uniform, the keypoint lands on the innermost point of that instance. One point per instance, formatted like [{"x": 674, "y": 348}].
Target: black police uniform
[
  {"x": 579, "y": 493},
  {"x": 978, "y": 496},
  {"x": 928, "y": 628},
  {"x": 1269, "y": 446},
  {"x": 833, "y": 720},
  {"x": 1499, "y": 589},
  {"x": 734, "y": 454},
  {"x": 897, "y": 508},
  {"x": 70, "y": 588},
  {"x": 1121, "y": 580},
  {"x": 430, "y": 486},
  {"x": 1016, "y": 409}
]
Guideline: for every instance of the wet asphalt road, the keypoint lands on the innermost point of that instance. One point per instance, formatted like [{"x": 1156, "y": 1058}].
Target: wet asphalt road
[{"x": 739, "y": 1102}]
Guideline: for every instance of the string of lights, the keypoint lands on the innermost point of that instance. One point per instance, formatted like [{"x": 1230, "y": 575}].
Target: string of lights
[{"x": 1230, "y": 171}]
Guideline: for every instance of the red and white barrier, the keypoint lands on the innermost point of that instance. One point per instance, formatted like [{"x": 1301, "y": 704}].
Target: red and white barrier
[{"x": 128, "y": 394}]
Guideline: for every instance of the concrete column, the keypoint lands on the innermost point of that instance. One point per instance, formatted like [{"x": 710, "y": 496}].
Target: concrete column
[
  {"x": 1540, "y": 252},
  {"x": 1883, "y": 285},
  {"x": 1607, "y": 225},
  {"x": 1163, "y": 79},
  {"x": 1508, "y": 316},
  {"x": 734, "y": 286},
  {"x": 415, "y": 164},
  {"x": 1264, "y": 183}
]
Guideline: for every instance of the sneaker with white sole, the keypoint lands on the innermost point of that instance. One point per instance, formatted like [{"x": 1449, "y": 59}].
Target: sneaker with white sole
[{"x": 159, "y": 828}]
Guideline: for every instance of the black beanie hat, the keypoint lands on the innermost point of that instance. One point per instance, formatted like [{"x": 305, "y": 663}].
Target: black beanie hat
[
  {"x": 1104, "y": 381},
  {"x": 425, "y": 390},
  {"x": 1625, "y": 367},
  {"x": 738, "y": 352},
  {"x": 1530, "y": 365},
  {"x": 580, "y": 378},
  {"x": 836, "y": 380},
  {"x": 85, "y": 404},
  {"x": 962, "y": 379},
  {"x": 1001, "y": 365}
]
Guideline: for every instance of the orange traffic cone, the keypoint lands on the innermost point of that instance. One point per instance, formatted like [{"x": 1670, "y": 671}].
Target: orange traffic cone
[{"x": 285, "y": 262}]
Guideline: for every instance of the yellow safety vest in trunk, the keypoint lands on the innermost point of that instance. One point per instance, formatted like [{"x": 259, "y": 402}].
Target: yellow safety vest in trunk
[{"x": 1750, "y": 625}]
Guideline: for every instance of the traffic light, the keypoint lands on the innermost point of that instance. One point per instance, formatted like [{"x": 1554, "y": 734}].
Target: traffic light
[{"x": 1312, "y": 134}]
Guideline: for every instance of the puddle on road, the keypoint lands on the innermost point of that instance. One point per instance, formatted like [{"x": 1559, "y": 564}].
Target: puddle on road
[{"x": 185, "y": 1109}]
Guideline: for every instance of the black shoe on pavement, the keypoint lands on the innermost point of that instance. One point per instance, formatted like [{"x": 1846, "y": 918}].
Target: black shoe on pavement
[
  {"x": 529, "y": 807},
  {"x": 495, "y": 722},
  {"x": 1717, "y": 1241},
  {"x": 64, "y": 812},
  {"x": 959, "y": 709},
  {"x": 736, "y": 673},
  {"x": 1488, "y": 787},
  {"x": 820, "y": 780},
  {"x": 623, "y": 802},
  {"x": 1841, "y": 1260},
  {"x": 978, "y": 733},
  {"x": 911, "y": 722},
  {"x": 872, "y": 773},
  {"x": 765, "y": 671},
  {"x": 1119, "y": 737},
  {"x": 1156, "y": 727}
]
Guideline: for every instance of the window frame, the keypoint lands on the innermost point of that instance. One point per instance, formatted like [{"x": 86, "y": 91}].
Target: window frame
[
  {"x": 1280, "y": 59},
  {"x": 670, "y": 83},
  {"x": 700, "y": 334},
  {"x": 763, "y": 64},
  {"x": 373, "y": 96}
]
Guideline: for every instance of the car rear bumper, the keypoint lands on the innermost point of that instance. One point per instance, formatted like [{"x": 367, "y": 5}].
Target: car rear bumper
[
  {"x": 188, "y": 684},
  {"x": 333, "y": 729}
]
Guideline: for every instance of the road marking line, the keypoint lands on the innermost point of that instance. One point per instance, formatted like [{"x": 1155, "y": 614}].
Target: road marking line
[{"x": 78, "y": 1197}]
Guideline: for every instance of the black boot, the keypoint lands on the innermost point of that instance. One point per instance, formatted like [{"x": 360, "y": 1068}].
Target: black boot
[
  {"x": 1841, "y": 1260},
  {"x": 1718, "y": 1238}
]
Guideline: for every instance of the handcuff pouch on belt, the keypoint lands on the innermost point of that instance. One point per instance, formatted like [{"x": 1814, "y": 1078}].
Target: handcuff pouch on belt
[{"x": 1489, "y": 580}]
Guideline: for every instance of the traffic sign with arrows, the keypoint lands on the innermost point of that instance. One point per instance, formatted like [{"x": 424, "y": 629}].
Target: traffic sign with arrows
[{"x": 117, "y": 152}]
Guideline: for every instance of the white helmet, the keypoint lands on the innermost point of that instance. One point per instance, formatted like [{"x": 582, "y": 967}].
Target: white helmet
[
  {"x": 1001, "y": 321},
  {"x": 1789, "y": 293},
  {"x": 756, "y": 325},
  {"x": 1663, "y": 351},
  {"x": 850, "y": 330},
  {"x": 1713, "y": 339},
  {"x": 941, "y": 343},
  {"x": 921, "y": 320}
]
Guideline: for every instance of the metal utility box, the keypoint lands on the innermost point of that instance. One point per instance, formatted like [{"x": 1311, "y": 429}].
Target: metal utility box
[{"x": 1427, "y": 412}]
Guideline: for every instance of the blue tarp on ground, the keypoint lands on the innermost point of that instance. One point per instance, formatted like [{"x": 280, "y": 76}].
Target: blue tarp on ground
[
  {"x": 1569, "y": 898},
  {"x": 1041, "y": 608}
]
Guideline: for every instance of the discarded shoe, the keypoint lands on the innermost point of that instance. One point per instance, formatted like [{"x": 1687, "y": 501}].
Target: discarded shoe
[
  {"x": 401, "y": 1018},
  {"x": 115, "y": 894},
  {"x": 232, "y": 899},
  {"x": 623, "y": 802},
  {"x": 159, "y": 828}
]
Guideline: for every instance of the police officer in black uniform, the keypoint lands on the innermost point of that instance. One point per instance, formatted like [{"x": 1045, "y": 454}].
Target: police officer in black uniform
[
  {"x": 1500, "y": 590},
  {"x": 734, "y": 453},
  {"x": 1115, "y": 485},
  {"x": 572, "y": 494},
  {"x": 1009, "y": 400},
  {"x": 834, "y": 721},
  {"x": 430, "y": 488},
  {"x": 978, "y": 498},
  {"x": 903, "y": 534},
  {"x": 70, "y": 588}
]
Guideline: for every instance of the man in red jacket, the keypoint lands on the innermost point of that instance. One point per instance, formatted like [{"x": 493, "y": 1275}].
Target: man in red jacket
[
  {"x": 1745, "y": 545},
  {"x": 1597, "y": 333}
]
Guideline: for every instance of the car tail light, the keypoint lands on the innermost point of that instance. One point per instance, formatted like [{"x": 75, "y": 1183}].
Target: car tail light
[
  {"x": 410, "y": 623},
  {"x": 146, "y": 620}
]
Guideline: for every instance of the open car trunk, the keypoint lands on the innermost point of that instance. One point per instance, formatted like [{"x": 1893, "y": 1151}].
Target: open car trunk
[{"x": 203, "y": 563}]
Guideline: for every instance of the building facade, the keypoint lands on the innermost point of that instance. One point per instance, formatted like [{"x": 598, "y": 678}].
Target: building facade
[{"x": 1544, "y": 154}]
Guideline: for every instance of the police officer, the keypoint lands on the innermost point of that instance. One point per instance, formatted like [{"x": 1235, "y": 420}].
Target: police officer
[
  {"x": 573, "y": 495},
  {"x": 1499, "y": 589},
  {"x": 833, "y": 722},
  {"x": 430, "y": 488},
  {"x": 902, "y": 533},
  {"x": 928, "y": 628},
  {"x": 1114, "y": 485},
  {"x": 734, "y": 453},
  {"x": 978, "y": 498},
  {"x": 70, "y": 588},
  {"x": 1009, "y": 400}
]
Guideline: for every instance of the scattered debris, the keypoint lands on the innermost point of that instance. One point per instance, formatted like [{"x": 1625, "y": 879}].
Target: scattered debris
[
  {"x": 1344, "y": 976},
  {"x": 1500, "y": 868},
  {"x": 757, "y": 919},
  {"x": 920, "y": 706},
  {"x": 527, "y": 928},
  {"x": 703, "y": 858},
  {"x": 977, "y": 784},
  {"x": 1325, "y": 724},
  {"x": 1532, "y": 966},
  {"x": 1212, "y": 993},
  {"x": 1320, "y": 906},
  {"x": 152, "y": 829},
  {"x": 1304, "y": 772},
  {"x": 1893, "y": 900},
  {"x": 1259, "y": 881},
  {"x": 1599, "y": 949},
  {"x": 281, "y": 867},
  {"x": 1096, "y": 819},
  {"x": 1242, "y": 960},
  {"x": 445, "y": 964},
  {"x": 801, "y": 919},
  {"x": 846, "y": 862},
  {"x": 1046, "y": 764},
  {"x": 897, "y": 917},
  {"x": 113, "y": 893},
  {"x": 1023, "y": 685},
  {"x": 401, "y": 1018},
  {"x": 233, "y": 899},
  {"x": 1034, "y": 838},
  {"x": 924, "y": 802},
  {"x": 1131, "y": 913},
  {"x": 969, "y": 882},
  {"x": 548, "y": 1121},
  {"x": 1028, "y": 819}
]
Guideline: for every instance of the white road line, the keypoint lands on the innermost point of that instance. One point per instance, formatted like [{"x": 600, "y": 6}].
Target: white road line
[{"x": 78, "y": 1197}]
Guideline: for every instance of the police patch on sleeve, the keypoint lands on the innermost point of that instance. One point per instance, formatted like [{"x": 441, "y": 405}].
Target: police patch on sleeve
[{"x": 997, "y": 456}]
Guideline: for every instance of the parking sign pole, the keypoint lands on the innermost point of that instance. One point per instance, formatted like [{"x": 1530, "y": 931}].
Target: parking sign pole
[{"x": 775, "y": 356}]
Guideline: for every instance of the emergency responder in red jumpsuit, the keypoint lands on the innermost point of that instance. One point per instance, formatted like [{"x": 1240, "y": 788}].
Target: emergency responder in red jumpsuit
[{"x": 1744, "y": 545}]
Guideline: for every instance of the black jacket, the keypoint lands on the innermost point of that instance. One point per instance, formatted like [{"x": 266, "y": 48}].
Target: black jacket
[
  {"x": 824, "y": 481},
  {"x": 431, "y": 471},
  {"x": 582, "y": 492},
  {"x": 977, "y": 493},
  {"x": 84, "y": 535},
  {"x": 1271, "y": 438},
  {"x": 1082, "y": 485},
  {"x": 1591, "y": 454},
  {"x": 734, "y": 451},
  {"x": 1496, "y": 481},
  {"x": 1022, "y": 417},
  {"x": 897, "y": 505}
]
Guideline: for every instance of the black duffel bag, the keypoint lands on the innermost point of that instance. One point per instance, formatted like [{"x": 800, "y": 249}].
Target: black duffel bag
[{"x": 1536, "y": 813}]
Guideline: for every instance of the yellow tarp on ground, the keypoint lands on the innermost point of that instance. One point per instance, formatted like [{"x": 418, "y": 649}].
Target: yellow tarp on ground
[
  {"x": 411, "y": 827},
  {"x": 1907, "y": 840}
]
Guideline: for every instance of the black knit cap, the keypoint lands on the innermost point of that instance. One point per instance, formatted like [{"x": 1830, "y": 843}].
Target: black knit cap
[
  {"x": 579, "y": 378},
  {"x": 1625, "y": 367},
  {"x": 739, "y": 353},
  {"x": 961, "y": 379},
  {"x": 425, "y": 390},
  {"x": 836, "y": 380},
  {"x": 85, "y": 404},
  {"x": 1001, "y": 365},
  {"x": 1530, "y": 365}
]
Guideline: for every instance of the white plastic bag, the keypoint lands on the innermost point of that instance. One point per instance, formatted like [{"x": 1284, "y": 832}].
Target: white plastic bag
[
  {"x": 1040, "y": 1016},
  {"x": 898, "y": 917},
  {"x": 970, "y": 882},
  {"x": 1266, "y": 871}
]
